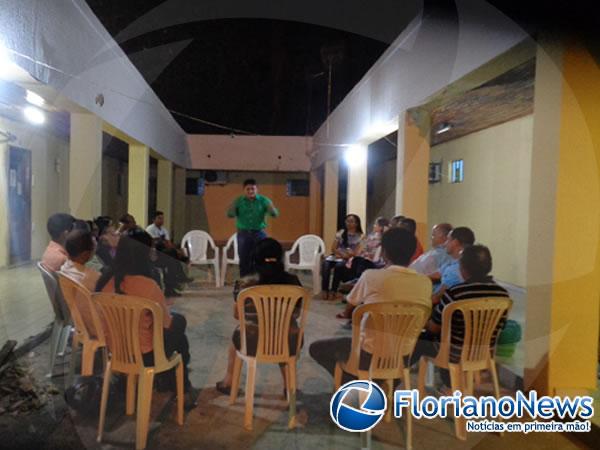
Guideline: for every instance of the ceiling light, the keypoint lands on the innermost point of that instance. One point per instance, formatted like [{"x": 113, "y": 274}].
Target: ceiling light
[
  {"x": 34, "y": 98},
  {"x": 34, "y": 115},
  {"x": 355, "y": 155},
  {"x": 444, "y": 126}
]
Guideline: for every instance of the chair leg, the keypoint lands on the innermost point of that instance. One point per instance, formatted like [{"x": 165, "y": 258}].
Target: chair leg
[
  {"x": 287, "y": 382},
  {"x": 250, "y": 384},
  {"x": 423, "y": 364},
  {"x": 144, "y": 400},
  {"x": 235, "y": 380},
  {"x": 103, "y": 400},
  {"x": 180, "y": 394},
  {"x": 87, "y": 359},
  {"x": 130, "y": 395},
  {"x": 64, "y": 340},
  {"x": 217, "y": 274},
  {"x": 54, "y": 342},
  {"x": 316, "y": 280},
  {"x": 292, "y": 394},
  {"x": 456, "y": 384},
  {"x": 408, "y": 416},
  {"x": 337, "y": 377},
  {"x": 494, "y": 374},
  {"x": 389, "y": 386}
]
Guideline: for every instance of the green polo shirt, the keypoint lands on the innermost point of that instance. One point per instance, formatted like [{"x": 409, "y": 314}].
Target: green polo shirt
[{"x": 250, "y": 214}]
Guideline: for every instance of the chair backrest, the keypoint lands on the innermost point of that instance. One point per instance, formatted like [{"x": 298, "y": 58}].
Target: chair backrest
[
  {"x": 83, "y": 311},
  {"x": 232, "y": 242},
  {"x": 309, "y": 246},
  {"x": 276, "y": 305},
  {"x": 122, "y": 315},
  {"x": 196, "y": 243},
  {"x": 481, "y": 318},
  {"x": 395, "y": 328},
  {"x": 54, "y": 293}
]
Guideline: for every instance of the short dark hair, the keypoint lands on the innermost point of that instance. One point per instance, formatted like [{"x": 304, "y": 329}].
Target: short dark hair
[
  {"x": 102, "y": 222},
  {"x": 249, "y": 182},
  {"x": 476, "y": 260},
  {"x": 382, "y": 221},
  {"x": 408, "y": 224},
  {"x": 126, "y": 218},
  {"x": 398, "y": 245},
  {"x": 158, "y": 213},
  {"x": 445, "y": 227},
  {"x": 59, "y": 223},
  {"x": 396, "y": 220},
  {"x": 80, "y": 224},
  {"x": 77, "y": 242},
  {"x": 463, "y": 235}
]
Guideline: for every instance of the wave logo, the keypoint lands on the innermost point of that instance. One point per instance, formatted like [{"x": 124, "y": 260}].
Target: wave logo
[{"x": 371, "y": 402}]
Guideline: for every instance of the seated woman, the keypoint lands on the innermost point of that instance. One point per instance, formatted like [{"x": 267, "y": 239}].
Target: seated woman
[
  {"x": 268, "y": 263},
  {"x": 346, "y": 245},
  {"x": 132, "y": 274}
]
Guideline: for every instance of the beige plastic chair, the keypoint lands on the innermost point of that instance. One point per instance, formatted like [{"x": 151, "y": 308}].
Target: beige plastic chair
[
  {"x": 310, "y": 248},
  {"x": 481, "y": 319},
  {"x": 195, "y": 244},
  {"x": 61, "y": 328},
  {"x": 122, "y": 314},
  {"x": 275, "y": 306},
  {"x": 235, "y": 260},
  {"x": 88, "y": 326},
  {"x": 395, "y": 328}
]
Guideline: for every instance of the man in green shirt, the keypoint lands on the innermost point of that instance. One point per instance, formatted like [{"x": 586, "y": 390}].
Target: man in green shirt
[{"x": 250, "y": 211}]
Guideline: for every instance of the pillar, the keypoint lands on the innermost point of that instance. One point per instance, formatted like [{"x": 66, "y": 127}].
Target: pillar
[
  {"x": 412, "y": 171},
  {"x": 563, "y": 268},
  {"x": 139, "y": 174},
  {"x": 179, "y": 206},
  {"x": 330, "y": 201},
  {"x": 164, "y": 191},
  {"x": 315, "y": 203},
  {"x": 357, "y": 186},
  {"x": 85, "y": 166}
]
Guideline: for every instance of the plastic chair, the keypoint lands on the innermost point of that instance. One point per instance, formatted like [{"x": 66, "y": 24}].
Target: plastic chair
[
  {"x": 122, "y": 314},
  {"x": 481, "y": 318},
  {"x": 196, "y": 243},
  {"x": 395, "y": 328},
  {"x": 61, "y": 328},
  {"x": 275, "y": 306},
  {"x": 89, "y": 330},
  {"x": 310, "y": 247},
  {"x": 231, "y": 242}
]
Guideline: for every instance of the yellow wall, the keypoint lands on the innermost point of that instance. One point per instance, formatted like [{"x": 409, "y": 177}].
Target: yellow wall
[
  {"x": 49, "y": 192},
  {"x": 493, "y": 200},
  {"x": 576, "y": 288},
  {"x": 138, "y": 179},
  {"x": 209, "y": 212}
]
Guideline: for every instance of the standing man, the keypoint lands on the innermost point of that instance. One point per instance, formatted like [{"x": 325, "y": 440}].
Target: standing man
[{"x": 250, "y": 210}]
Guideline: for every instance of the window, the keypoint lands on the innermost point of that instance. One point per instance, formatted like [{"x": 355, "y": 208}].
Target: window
[
  {"x": 297, "y": 188},
  {"x": 194, "y": 186},
  {"x": 457, "y": 173}
]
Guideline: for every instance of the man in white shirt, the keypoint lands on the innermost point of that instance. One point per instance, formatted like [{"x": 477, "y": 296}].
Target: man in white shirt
[
  {"x": 157, "y": 230},
  {"x": 395, "y": 283},
  {"x": 430, "y": 262}
]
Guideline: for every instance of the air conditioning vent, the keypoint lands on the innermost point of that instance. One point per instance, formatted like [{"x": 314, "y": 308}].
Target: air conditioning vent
[{"x": 215, "y": 177}]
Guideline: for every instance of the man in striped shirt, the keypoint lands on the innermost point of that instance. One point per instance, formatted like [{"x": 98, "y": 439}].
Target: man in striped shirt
[{"x": 475, "y": 266}]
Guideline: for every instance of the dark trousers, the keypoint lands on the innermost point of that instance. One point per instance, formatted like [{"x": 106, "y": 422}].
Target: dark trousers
[
  {"x": 247, "y": 240},
  {"x": 175, "y": 341},
  {"x": 339, "y": 270},
  {"x": 359, "y": 265},
  {"x": 428, "y": 345},
  {"x": 327, "y": 352}
]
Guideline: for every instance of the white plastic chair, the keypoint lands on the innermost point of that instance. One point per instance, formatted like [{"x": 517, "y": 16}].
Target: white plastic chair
[
  {"x": 196, "y": 243},
  {"x": 310, "y": 247},
  {"x": 232, "y": 242}
]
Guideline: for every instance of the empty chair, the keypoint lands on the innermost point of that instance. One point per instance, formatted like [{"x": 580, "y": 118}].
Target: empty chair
[
  {"x": 196, "y": 244},
  {"x": 481, "y": 319},
  {"x": 395, "y": 328},
  {"x": 310, "y": 248},
  {"x": 122, "y": 314},
  {"x": 276, "y": 306},
  {"x": 88, "y": 326},
  {"x": 231, "y": 242},
  {"x": 61, "y": 327}
]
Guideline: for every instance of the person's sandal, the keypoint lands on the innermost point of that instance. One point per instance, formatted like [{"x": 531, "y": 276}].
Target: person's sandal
[{"x": 225, "y": 390}]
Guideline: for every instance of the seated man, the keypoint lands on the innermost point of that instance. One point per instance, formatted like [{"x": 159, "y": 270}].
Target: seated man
[
  {"x": 449, "y": 275},
  {"x": 433, "y": 259},
  {"x": 475, "y": 265},
  {"x": 80, "y": 247},
  {"x": 395, "y": 283},
  {"x": 55, "y": 254}
]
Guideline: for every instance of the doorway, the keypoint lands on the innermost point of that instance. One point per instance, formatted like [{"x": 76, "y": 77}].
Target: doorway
[
  {"x": 19, "y": 204},
  {"x": 381, "y": 178}
]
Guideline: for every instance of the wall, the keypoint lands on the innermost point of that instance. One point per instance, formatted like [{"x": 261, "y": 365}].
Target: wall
[
  {"x": 113, "y": 204},
  {"x": 493, "y": 200},
  {"x": 49, "y": 187},
  {"x": 265, "y": 153},
  {"x": 209, "y": 212},
  {"x": 382, "y": 198}
]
